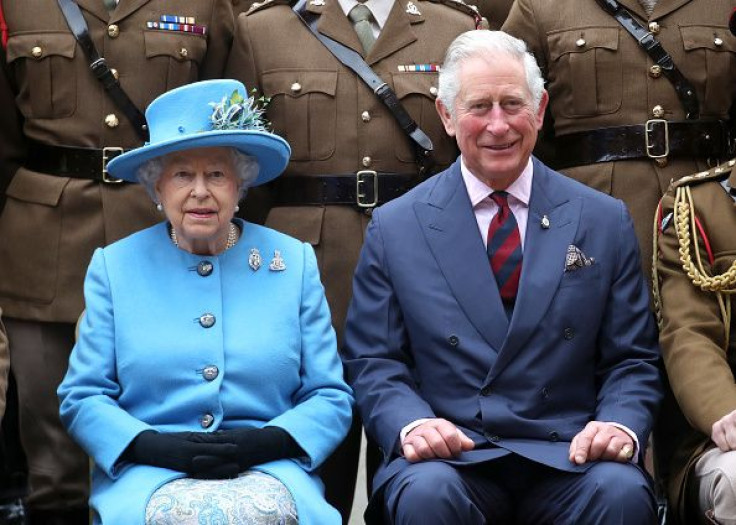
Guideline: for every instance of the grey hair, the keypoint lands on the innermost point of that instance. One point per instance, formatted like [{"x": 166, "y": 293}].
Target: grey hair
[
  {"x": 246, "y": 169},
  {"x": 488, "y": 45}
]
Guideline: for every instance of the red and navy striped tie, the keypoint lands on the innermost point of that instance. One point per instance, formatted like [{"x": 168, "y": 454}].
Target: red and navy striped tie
[{"x": 504, "y": 248}]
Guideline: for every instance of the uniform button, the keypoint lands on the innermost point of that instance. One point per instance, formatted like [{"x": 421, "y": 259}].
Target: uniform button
[
  {"x": 554, "y": 436},
  {"x": 658, "y": 111},
  {"x": 580, "y": 42},
  {"x": 207, "y": 320},
  {"x": 545, "y": 393},
  {"x": 568, "y": 333},
  {"x": 206, "y": 420},
  {"x": 486, "y": 391},
  {"x": 655, "y": 71},
  {"x": 183, "y": 53},
  {"x": 296, "y": 87},
  {"x": 367, "y": 162},
  {"x": 661, "y": 162},
  {"x": 654, "y": 27},
  {"x": 114, "y": 73},
  {"x": 365, "y": 116},
  {"x": 37, "y": 52},
  {"x": 453, "y": 340},
  {"x": 111, "y": 121},
  {"x": 205, "y": 268},
  {"x": 113, "y": 31},
  {"x": 433, "y": 91},
  {"x": 718, "y": 42},
  {"x": 210, "y": 372}
]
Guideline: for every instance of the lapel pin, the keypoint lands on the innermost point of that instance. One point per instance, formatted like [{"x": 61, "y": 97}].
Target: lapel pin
[
  {"x": 277, "y": 263},
  {"x": 545, "y": 222},
  {"x": 412, "y": 9},
  {"x": 254, "y": 259}
]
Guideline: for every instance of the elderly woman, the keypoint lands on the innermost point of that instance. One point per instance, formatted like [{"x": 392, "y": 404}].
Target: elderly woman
[{"x": 205, "y": 383}]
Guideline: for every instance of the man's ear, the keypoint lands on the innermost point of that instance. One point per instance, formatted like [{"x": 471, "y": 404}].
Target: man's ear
[
  {"x": 445, "y": 116},
  {"x": 539, "y": 117}
]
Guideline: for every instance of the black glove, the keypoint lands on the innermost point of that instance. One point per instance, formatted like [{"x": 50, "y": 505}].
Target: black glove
[
  {"x": 198, "y": 460},
  {"x": 255, "y": 445}
]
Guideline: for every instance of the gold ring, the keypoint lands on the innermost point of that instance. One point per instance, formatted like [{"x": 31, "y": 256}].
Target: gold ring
[{"x": 627, "y": 451}]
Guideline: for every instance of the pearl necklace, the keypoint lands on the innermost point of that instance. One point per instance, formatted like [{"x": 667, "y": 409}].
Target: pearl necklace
[{"x": 232, "y": 236}]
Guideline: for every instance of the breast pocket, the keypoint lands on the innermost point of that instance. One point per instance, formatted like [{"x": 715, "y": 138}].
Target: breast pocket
[
  {"x": 303, "y": 110},
  {"x": 711, "y": 62},
  {"x": 44, "y": 66},
  {"x": 178, "y": 54},
  {"x": 417, "y": 93},
  {"x": 585, "y": 71}
]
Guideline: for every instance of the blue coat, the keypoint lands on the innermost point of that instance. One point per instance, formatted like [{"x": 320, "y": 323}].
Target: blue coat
[
  {"x": 141, "y": 353},
  {"x": 427, "y": 335}
]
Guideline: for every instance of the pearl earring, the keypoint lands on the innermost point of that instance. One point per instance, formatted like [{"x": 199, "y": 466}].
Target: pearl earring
[
  {"x": 237, "y": 208},
  {"x": 159, "y": 206}
]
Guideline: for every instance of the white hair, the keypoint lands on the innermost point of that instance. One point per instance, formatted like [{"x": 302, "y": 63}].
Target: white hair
[
  {"x": 489, "y": 45},
  {"x": 246, "y": 169}
]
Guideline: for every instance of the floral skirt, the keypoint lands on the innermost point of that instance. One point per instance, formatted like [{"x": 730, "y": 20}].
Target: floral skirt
[{"x": 253, "y": 498}]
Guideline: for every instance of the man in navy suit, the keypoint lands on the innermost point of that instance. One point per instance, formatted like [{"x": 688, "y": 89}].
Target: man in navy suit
[{"x": 499, "y": 340}]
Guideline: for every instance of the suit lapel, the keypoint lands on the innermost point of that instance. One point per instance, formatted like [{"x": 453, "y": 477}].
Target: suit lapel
[
  {"x": 128, "y": 7},
  {"x": 334, "y": 24},
  {"x": 95, "y": 8},
  {"x": 396, "y": 34},
  {"x": 451, "y": 231},
  {"x": 544, "y": 260},
  {"x": 661, "y": 9}
]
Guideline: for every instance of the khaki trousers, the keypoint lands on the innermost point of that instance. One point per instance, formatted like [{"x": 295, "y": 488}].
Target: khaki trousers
[{"x": 714, "y": 486}]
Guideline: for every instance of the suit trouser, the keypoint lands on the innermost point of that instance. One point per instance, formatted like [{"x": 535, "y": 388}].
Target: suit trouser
[
  {"x": 515, "y": 490},
  {"x": 58, "y": 470},
  {"x": 714, "y": 487}
]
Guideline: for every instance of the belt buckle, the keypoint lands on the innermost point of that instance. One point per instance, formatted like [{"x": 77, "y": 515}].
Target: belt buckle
[
  {"x": 361, "y": 178},
  {"x": 649, "y": 140},
  {"x": 108, "y": 154}
]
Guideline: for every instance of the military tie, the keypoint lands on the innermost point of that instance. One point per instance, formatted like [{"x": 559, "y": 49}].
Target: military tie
[
  {"x": 361, "y": 17},
  {"x": 504, "y": 248}
]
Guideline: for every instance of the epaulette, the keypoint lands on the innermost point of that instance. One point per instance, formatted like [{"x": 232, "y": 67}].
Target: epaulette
[
  {"x": 471, "y": 10},
  {"x": 264, "y": 4},
  {"x": 719, "y": 173}
]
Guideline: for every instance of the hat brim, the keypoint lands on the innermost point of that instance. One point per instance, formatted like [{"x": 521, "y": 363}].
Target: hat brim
[{"x": 270, "y": 151}]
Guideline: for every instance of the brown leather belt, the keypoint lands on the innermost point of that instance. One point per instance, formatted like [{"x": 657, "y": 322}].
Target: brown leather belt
[
  {"x": 365, "y": 189},
  {"x": 77, "y": 163},
  {"x": 656, "y": 139}
]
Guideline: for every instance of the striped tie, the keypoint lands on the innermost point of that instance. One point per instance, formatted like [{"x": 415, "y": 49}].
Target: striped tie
[{"x": 504, "y": 248}]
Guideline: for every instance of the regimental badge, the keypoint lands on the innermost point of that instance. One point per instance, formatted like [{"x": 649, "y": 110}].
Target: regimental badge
[
  {"x": 254, "y": 259},
  {"x": 277, "y": 263},
  {"x": 412, "y": 9}
]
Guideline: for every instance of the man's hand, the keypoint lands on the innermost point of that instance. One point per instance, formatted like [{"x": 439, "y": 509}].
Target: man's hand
[
  {"x": 723, "y": 432},
  {"x": 601, "y": 442},
  {"x": 436, "y": 438}
]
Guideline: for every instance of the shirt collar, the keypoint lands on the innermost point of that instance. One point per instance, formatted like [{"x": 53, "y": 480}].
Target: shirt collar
[
  {"x": 478, "y": 191},
  {"x": 379, "y": 8}
]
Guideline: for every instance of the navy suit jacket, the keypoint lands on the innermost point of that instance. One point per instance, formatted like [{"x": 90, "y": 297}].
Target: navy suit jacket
[{"x": 427, "y": 335}]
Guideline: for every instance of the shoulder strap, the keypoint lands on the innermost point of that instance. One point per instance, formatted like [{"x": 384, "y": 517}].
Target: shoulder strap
[
  {"x": 652, "y": 46},
  {"x": 349, "y": 58},
  {"x": 100, "y": 69}
]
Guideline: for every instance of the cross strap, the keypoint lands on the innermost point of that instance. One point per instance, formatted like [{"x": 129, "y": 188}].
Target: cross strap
[{"x": 653, "y": 48}]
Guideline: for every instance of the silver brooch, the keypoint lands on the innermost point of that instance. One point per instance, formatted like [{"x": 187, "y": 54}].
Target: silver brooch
[
  {"x": 254, "y": 259},
  {"x": 277, "y": 263},
  {"x": 412, "y": 9},
  {"x": 545, "y": 222}
]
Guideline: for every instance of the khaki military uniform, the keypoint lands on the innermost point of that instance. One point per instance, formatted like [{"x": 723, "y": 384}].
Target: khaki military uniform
[
  {"x": 50, "y": 224},
  {"x": 4, "y": 367},
  {"x": 698, "y": 341},
  {"x": 336, "y": 125},
  {"x": 598, "y": 76}
]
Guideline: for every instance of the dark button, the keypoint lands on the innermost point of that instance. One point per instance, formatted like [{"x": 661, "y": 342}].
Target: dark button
[
  {"x": 206, "y": 420},
  {"x": 486, "y": 391},
  {"x": 207, "y": 320},
  {"x": 569, "y": 333},
  {"x": 205, "y": 268},
  {"x": 453, "y": 340},
  {"x": 554, "y": 436},
  {"x": 210, "y": 372},
  {"x": 545, "y": 393}
]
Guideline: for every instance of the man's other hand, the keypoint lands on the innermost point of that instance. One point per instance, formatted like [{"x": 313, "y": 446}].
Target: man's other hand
[
  {"x": 601, "y": 442},
  {"x": 436, "y": 438},
  {"x": 723, "y": 432}
]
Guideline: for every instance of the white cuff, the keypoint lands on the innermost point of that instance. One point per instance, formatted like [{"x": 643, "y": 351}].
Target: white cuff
[{"x": 631, "y": 434}]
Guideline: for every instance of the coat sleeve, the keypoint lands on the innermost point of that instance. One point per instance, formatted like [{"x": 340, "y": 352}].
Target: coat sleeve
[
  {"x": 322, "y": 410},
  {"x": 628, "y": 371},
  {"x": 377, "y": 353},
  {"x": 692, "y": 338},
  {"x": 89, "y": 392}
]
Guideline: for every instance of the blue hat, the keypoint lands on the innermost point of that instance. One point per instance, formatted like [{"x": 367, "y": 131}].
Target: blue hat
[{"x": 206, "y": 114}]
